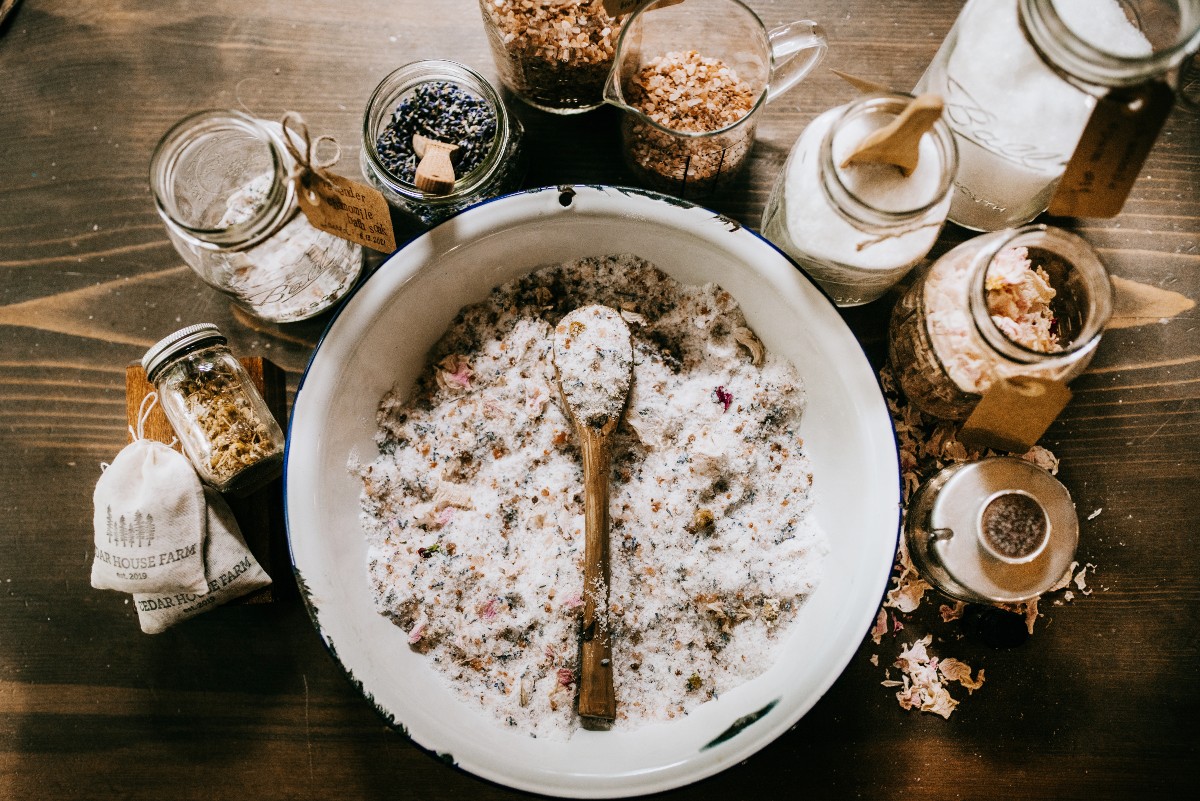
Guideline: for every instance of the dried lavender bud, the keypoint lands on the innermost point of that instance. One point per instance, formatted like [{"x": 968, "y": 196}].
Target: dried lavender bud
[{"x": 442, "y": 111}]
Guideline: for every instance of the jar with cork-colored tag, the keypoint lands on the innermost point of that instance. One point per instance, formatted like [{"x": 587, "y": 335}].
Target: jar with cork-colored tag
[
  {"x": 438, "y": 138},
  {"x": 1025, "y": 304}
]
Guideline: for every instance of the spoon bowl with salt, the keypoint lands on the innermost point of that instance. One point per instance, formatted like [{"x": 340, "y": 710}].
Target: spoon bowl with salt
[{"x": 593, "y": 362}]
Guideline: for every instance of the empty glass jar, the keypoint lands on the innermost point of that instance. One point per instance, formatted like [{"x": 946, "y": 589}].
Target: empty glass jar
[
  {"x": 1020, "y": 79},
  {"x": 221, "y": 184}
]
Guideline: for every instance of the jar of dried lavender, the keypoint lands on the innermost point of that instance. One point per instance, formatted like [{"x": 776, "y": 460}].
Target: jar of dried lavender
[
  {"x": 220, "y": 417},
  {"x": 447, "y": 103},
  {"x": 1028, "y": 302},
  {"x": 221, "y": 182}
]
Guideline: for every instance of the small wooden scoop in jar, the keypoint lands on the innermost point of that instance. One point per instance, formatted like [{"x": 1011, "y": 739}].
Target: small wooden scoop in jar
[
  {"x": 593, "y": 360},
  {"x": 899, "y": 142}
]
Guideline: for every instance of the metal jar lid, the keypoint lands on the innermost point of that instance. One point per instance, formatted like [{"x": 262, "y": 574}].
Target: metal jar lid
[
  {"x": 184, "y": 339},
  {"x": 1000, "y": 530}
]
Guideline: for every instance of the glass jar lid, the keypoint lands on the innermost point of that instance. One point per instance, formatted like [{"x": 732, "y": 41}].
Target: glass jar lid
[
  {"x": 1001, "y": 530},
  {"x": 182, "y": 340}
]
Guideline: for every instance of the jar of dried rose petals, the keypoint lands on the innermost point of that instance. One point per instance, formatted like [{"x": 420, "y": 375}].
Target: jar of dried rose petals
[
  {"x": 554, "y": 54},
  {"x": 1028, "y": 301},
  {"x": 223, "y": 423}
]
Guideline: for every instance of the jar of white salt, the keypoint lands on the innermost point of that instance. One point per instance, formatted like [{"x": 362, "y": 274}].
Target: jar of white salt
[
  {"x": 1021, "y": 78},
  {"x": 221, "y": 182},
  {"x": 1025, "y": 302},
  {"x": 858, "y": 228}
]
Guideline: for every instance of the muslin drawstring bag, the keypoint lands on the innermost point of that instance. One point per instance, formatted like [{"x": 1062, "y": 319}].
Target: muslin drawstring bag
[
  {"x": 149, "y": 519},
  {"x": 232, "y": 572}
]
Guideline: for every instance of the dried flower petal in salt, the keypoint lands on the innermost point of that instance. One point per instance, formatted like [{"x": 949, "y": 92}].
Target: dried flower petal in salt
[
  {"x": 880, "y": 628},
  {"x": 723, "y": 397}
]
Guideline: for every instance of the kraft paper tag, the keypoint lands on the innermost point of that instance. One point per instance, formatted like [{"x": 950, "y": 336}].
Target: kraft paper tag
[
  {"x": 1114, "y": 145},
  {"x": 1014, "y": 413},
  {"x": 332, "y": 203},
  {"x": 347, "y": 209}
]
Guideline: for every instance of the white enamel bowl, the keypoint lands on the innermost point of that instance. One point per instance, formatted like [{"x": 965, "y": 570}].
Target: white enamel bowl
[{"x": 381, "y": 337}]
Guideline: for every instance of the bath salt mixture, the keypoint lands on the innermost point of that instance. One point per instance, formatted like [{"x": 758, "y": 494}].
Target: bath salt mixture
[
  {"x": 1019, "y": 297},
  {"x": 473, "y": 510},
  {"x": 1017, "y": 123},
  {"x": 295, "y": 272},
  {"x": 856, "y": 262},
  {"x": 593, "y": 358}
]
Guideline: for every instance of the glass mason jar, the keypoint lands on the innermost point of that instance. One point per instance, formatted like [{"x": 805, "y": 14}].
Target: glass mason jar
[
  {"x": 857, "y": 229},
  {"x": 427, "y": 97},
  {"x": 221, "y": 184},
  {"x": 1020, "y": 79},
  {"x": 1029, "y": 301},
  {"x": 220, "y": 417},
  {"x": 553, "y": 54}
]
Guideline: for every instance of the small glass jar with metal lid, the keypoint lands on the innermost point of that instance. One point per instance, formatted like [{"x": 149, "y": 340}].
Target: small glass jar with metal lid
[
  {"x": 220, "y": 417},
  {"x": 996, "y": 531},
  {"x": 1028, "y": 302},
  {"x": 445, "y": 102},
  {"x": 221, "y": 183}
]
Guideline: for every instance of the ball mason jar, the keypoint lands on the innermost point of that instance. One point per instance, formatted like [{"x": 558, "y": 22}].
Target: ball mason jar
[
  {"x": 223, "y": 423},
  {"x": 857, "y": 229},
  {"x": 947, "y": 347},
  {"x": 221, "y": 185},
  {"x": 500, "y": 171},
  {"x": 1020, "y": 79}
]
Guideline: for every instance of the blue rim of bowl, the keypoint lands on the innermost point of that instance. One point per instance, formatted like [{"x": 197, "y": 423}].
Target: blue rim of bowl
[{"x": 564, "y": 191}]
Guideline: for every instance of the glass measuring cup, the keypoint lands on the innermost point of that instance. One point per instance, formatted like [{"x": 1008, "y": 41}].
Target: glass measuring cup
[{"x": 691, "y": 77}]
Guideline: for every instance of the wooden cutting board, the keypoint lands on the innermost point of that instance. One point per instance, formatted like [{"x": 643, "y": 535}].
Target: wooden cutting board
[{"x": 260, "y": 514}]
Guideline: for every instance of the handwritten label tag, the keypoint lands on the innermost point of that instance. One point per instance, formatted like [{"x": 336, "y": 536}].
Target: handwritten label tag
[
  {"x": 1014, "y": 413},
  {"x": 1114, "y": 145},
  {"x": 346, "y": 208},
  {"x": 615, "y": 8}
]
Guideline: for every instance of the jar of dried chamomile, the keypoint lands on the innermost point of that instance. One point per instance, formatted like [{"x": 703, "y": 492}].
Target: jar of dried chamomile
[{"x": 220, "y": 417}]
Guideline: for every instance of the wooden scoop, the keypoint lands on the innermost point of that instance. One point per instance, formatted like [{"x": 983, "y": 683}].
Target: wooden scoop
[
  {"x": 593, "y": 361},
  {"x": 899, "y": 142},
  {"x": 435, "y": 172}
]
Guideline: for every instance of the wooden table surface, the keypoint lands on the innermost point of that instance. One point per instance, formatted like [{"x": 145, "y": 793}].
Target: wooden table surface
[{"x": 1101, "y": 702}]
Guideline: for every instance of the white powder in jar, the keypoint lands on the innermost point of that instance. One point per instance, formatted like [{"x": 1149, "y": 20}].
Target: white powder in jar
[
  {"x": 1016, "y": 121},
  {"x": 474, "y": 509},
  {"x": 855, "y": 263}
]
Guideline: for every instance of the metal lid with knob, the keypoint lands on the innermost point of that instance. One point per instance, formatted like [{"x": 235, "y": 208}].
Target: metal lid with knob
[
  {"x": 1000, "y": 530},
  {"x": 179, "y": 342}
]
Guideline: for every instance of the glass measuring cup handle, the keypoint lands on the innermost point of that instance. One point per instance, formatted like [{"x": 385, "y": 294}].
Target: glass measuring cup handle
[{"x": 796, "y": 48}]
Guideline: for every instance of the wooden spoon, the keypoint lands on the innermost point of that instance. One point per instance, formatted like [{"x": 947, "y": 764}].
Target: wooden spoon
[
  {"x": 593, "y": 361},
  {"x": 435, "y": 172},
  {"x": 899, "y": 142}
]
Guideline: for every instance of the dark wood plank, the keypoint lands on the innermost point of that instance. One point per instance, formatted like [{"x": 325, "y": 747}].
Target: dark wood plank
[{"x": 245, "y": 702}]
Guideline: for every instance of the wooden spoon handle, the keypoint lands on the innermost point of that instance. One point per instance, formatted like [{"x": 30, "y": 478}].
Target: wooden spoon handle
[{"x": 596, "y": 696}]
